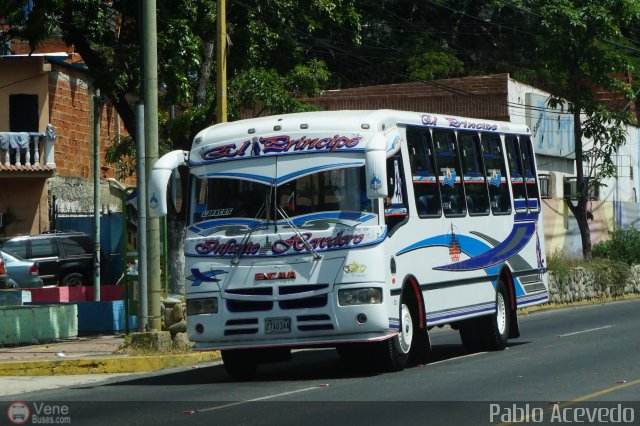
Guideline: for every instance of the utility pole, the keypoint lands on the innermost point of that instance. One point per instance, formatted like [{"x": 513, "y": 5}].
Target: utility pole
[
  {"x": 141, "y": 173},
  {"x": 97, "y": 109},
  {"x": 150, "y": 61},
  {"x": 221, "y": 63}
]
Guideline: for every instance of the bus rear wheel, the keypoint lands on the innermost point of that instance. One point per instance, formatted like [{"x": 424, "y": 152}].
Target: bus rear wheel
[
  {"x": 488, "y": 332},
  {"x": 393, "y": 353},
  {"x": 497, "y": 332},
  {"x": 241, "y": 364}
]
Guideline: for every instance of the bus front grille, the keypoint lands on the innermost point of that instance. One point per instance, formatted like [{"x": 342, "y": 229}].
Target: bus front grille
[
  {"x": 248, "y": 305},
  {"x": 306, "y": 302}
]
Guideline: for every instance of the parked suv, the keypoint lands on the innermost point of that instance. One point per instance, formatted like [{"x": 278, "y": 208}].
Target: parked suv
[
  {"x": 64, "y": 258},
  {"x": 4, "y": 278}
]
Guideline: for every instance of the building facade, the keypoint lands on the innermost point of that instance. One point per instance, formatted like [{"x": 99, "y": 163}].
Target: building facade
[
  {"x": 499, "y": 97},
  {"x": 50, "y": 104}
]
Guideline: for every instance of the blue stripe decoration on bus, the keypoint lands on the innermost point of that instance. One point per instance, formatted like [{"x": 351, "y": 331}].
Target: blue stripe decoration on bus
[
  {"x": 517, "y": 239},
  {"x": 482, "y": 256},
  {"x": 520, "y": 203}
]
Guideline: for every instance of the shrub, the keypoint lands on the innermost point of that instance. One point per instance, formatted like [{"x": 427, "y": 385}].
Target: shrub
[
  {"x": 610, "y": 276},
  {"x": 561, "y": 264},
  {"x": 623, "y": 245}
]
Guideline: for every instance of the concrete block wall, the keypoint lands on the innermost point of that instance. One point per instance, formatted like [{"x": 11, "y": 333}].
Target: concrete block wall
[
  {"x": 581, "y": 285},
  {"x": 30, "y": 324}
]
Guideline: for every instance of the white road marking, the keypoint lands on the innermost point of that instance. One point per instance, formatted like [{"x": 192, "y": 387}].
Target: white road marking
[
  {"x": 262, "y": 398},
  {"x": 456, "y": 358},
  {"x": 587, "y": 331}
]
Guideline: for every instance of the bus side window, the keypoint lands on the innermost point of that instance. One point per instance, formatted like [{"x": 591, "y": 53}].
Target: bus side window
[
  {"x": 395, "y": 207},
  {"x": 425, "y": 182},
  {"x": 516, "y": 172},
  {"x": 496, "y": 173},
  {"x": 475, "y": 182},
  {"x": 531, "y": 183},
  {"x": 449, "y": 173}
]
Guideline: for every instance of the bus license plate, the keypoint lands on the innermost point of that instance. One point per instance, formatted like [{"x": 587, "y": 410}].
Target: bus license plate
[{"x": 277, "y": 325}]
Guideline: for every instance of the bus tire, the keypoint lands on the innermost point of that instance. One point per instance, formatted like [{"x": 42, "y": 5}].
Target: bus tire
[
  {"x": 498, "y": 324},
  {"x": 488, "y": 333},
  {"x": 393, "y": 353},
  {"x": 241, "y": 364}
]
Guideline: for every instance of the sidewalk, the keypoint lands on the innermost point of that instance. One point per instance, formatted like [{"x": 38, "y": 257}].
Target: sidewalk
[{"x": 89, "y": 355}]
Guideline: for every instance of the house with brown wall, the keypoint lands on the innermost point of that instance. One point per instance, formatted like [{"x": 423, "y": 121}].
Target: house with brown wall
[{"x": 40, "y": 92}]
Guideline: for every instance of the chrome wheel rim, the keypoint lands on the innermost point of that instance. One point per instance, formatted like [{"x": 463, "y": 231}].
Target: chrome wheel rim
[
  {"x": 406, "y": 329},
  {"x": 501, "y": 314}
]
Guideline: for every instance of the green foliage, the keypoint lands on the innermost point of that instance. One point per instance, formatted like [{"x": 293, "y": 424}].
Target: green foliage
[
  {"x": 265, "y": 91},
  {"x": 561, "y": 264},
  {"x": 610, "y": 276},
  {"x": 432, "y": 65},
  {"x": 177, "y": 131},
  {"x": 123, "y": 155},
  {"x": 623, "y": 245}
]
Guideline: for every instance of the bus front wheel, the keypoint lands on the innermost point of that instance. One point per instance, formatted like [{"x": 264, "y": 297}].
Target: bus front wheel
[{"x": 394, "y": 352}]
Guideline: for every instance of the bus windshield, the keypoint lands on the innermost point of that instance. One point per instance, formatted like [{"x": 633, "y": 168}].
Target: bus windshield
[{"x": 332, "y": 190}]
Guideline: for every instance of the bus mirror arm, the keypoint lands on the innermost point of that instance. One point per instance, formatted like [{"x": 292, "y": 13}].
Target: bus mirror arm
[{"x": 159, "y": 179}]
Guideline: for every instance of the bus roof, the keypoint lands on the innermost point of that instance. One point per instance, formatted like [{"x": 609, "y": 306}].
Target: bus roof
[
  {"x": 348, "y": 121},
  {"x": 322, "y": 131}
]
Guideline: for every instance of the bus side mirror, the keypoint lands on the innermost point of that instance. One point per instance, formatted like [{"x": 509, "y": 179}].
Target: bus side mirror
[
  {"x": 376, "y": 173},
  {"x": 159, "y": 180}
]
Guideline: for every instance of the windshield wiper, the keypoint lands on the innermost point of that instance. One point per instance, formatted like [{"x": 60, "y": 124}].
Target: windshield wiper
[
  {"x": 287, "y": 219},
  {"x": 247, "y": 235}
]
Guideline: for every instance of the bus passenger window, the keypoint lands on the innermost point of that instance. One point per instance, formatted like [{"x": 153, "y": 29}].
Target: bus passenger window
[
  {"x": 475, "y": 183},
  {"x": 496, "y": 172},
  {"x": 425, "y": 182},
  {"x": 528, "y": 165},
  {"x": 395, "y": 207},
  {"x": 449, "y": 173},
  {"x": 516, "y": 172}
]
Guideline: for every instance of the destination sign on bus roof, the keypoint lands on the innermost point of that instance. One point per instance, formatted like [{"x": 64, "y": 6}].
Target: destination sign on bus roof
[
  {"x": 457, "y": 123},
  {"x": 282, "y": 144}
]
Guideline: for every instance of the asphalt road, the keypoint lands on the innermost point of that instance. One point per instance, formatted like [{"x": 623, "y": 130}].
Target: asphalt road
[{"x": 574, "y": 362}]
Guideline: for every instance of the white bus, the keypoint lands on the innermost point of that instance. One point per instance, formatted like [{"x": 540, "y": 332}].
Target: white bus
[{"x": 359, "y": 230}]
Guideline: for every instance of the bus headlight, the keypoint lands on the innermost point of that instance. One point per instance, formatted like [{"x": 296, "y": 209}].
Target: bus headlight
[
  {"x": 202, "y": 306},
  {"x": 360, "y": 296}
]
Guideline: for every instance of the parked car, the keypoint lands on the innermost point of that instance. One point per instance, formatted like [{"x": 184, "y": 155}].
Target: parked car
[
  {"x": 22, "y": 273},
  {"x": 64, "y": 258},
  {"x": 4, "y": 278}
]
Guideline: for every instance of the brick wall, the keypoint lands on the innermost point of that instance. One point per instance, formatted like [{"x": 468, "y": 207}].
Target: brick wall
[
  {"x": 481, "y": 97},
  {"x": 20, "y": 47},
  {"x": 71, "y": 114}
]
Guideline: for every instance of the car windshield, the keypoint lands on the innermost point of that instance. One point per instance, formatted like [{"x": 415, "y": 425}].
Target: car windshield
[{"x": 332, "y": 190}]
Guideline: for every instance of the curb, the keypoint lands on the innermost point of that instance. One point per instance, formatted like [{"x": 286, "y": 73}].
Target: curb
[
  {"x": 550, "y": 306},
  {"x": 106, "y": 365}
]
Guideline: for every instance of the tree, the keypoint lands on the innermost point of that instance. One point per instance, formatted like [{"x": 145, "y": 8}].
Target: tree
[
  {"x": 271, "y": 49},
  {"x": 580, "y": 49}
]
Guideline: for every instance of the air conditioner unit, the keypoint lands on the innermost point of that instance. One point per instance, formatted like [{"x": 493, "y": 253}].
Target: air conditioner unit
[
  {"x": 570, "y": 186},
  {"x": 545, "y": 185}
]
